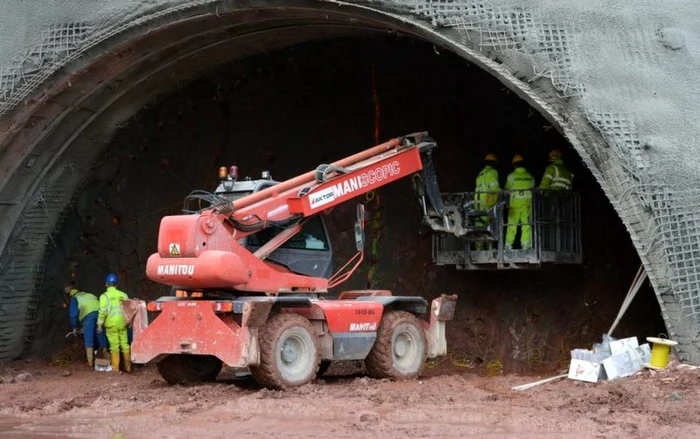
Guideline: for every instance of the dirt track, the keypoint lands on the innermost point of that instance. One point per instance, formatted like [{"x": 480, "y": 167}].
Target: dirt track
[{"x": 450, "y": 404}]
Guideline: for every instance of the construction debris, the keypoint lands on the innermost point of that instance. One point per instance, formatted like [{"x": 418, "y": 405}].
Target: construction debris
[
  {"x": 538, "y": 383},
  {"x": 22, "y": 377},
  {"x": 102, "y": 365},
  {"x": 609, "y": 360}
]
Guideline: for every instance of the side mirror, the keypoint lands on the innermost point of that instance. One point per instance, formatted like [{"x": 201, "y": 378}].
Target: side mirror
[{"x": 360, "y": 228}]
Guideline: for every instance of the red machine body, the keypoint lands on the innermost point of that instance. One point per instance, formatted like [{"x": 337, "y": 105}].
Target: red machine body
[
  {"x": 202, "y": 251},
  {"x": 252, "y": 312}
]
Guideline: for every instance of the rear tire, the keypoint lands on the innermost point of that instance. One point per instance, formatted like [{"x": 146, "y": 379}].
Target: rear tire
[
  {"x": 182, "y": 368},
  {"x": 400, "y": 350},
  {"x": 290, "y": 352}
]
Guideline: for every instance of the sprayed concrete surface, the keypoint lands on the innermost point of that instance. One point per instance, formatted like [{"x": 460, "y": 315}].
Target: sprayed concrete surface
[{"x": 444, "y": 403}]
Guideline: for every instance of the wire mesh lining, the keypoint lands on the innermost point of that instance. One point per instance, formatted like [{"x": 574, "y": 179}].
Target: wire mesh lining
[
  {"x": 503, "y": 26},
  {"x": 29, "y": 71},
  {"x": 509, "y": 26}
]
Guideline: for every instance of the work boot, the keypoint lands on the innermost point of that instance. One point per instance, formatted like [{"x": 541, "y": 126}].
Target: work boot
[
  {"x": 115, "y": 361},
  {"x": 90, "y": 357},
  {"x": 127, "y": 362}
]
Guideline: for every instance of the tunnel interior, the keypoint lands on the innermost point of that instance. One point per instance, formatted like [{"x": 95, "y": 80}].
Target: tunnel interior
[{"x": 291, "y": 109}]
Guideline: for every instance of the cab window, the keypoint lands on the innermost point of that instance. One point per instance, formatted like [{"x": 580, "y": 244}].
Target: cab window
[{"x": 311, "y": 237}]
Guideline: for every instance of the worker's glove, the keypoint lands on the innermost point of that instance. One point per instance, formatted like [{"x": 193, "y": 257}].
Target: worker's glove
[
  {"x": 72, "y": 333},
  {"x": 99, "y": 329}
]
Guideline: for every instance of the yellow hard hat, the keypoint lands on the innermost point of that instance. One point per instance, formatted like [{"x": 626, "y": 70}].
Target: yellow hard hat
[
  {"x": 517, "y": 158},
  {"x": 554, "y": 153},
  {"x": 490, "y": 157}
]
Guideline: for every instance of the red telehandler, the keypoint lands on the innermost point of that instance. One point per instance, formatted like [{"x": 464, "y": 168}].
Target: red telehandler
[{"x": 255, "y": 268}]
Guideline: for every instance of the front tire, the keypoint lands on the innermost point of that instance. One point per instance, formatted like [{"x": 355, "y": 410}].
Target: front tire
[
  {"x": 182, "y": 368},
  {"x": 400, "y": 350},
  {"x": 290, "y": 352}
]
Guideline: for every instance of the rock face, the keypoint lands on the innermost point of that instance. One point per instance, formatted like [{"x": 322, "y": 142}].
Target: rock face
[{"x": 620, "y": 87}]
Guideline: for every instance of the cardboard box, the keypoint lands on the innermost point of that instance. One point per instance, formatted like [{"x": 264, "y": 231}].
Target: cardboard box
[
  {"x": 598, "y": 364},
  {"x": 585, "y": 354},
  {"x": 641, "y": 355},
  {"x": 589, "y": 371},
  {"x": 623, "y": 365},
  {"x": 617, "y": 347}
]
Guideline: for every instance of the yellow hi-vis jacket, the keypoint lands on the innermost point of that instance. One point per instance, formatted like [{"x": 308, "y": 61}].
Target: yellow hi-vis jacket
[
  {"x": 557, "y": 177},
  {"x": 487, "y": 187},
  {"x": 518, "y": 181},
  {"x": 111, "y": 315}
]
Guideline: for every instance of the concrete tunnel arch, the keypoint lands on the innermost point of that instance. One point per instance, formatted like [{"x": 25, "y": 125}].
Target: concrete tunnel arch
[{"x": 48, "y": 146}]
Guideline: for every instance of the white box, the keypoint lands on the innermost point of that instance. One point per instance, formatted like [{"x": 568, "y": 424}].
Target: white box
[
  {"x": 583, "y": 370},
  {"x": 587, "y": 355},
  {"x": 623, "y": 345},
  {"x": 641, "y": 355},
  {"x": 623, "y": 365}
]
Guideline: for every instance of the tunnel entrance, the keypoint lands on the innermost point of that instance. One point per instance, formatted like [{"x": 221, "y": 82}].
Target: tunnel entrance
[{"x": 286, "y": 111}]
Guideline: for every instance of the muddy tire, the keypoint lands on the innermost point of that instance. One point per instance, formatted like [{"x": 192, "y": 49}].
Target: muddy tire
[
  {"x": 400, "y": 350},
  {"x": 182, "y": 369},
  {"x": 290, "y": 352}
]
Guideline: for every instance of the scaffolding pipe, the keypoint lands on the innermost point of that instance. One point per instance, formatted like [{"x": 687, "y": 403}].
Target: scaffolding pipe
[{"x": 636, "y": 285}]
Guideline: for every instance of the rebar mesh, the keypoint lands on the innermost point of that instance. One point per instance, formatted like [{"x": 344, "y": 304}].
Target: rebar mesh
[{"x": 503, "y": 26}]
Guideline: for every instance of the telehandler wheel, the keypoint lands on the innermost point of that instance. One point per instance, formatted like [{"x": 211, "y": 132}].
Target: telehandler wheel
[
  {"x": 400, "y": 350},
  {"x": 290, "y": 352},
  {"x": 182, "y": 368}
]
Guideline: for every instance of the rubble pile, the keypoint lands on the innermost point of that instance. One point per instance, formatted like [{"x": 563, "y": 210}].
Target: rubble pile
[{"x": 609, "y": 360}]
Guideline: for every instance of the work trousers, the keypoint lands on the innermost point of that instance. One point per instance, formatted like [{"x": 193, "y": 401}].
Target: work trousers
[
  {"x": 519, "y": 216},
  {"x": 90, "y": 334},
  {"x": 89, "y": 323},
  {"x": 118, "y": 338},
  {"x": 102, "y": 340}
]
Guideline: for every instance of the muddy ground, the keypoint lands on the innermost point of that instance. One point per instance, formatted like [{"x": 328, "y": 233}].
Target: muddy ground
[{"x": 447, "y": 402}]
